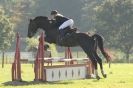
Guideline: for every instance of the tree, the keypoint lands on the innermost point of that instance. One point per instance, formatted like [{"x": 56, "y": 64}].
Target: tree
[
  {"x": 32, "y": 44},
  {"x": 19, "y": 11},
  {"x": 114, "y": 20},
  {"x": 6, "y": 33},
  {"x": 88, "y": 15}
]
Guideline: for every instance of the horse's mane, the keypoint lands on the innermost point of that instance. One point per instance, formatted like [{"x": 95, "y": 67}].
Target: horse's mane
[
  {"x": 41, "y": 17},
  {"x": 45, "y": 18},
  {"x": 38, "y": 18}
]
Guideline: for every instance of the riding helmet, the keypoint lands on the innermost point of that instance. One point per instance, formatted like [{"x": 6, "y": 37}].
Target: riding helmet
[{"x": 54, "y": 12}]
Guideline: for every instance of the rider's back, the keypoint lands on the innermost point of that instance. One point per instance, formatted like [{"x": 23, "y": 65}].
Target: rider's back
[{"x": 60, "y": 20}]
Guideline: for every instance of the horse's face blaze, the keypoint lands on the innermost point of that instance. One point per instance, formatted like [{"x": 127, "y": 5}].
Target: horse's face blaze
[{"x": 31, "y": 29}]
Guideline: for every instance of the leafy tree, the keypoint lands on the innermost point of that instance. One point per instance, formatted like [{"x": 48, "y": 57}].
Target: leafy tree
[
  {"x": 115, "y": 21},
  {"x": 32, "y": 43},
  {"x": 6, "y": 33},
  {"x": 19, "y": 11},
  {"x": 88, "y": 15}
]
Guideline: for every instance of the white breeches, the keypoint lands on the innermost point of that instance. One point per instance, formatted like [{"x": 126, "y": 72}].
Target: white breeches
[{"x": 68, "y": 23}]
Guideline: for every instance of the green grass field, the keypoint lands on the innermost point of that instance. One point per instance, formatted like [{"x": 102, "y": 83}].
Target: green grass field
[{"x": 119, "y": 76}]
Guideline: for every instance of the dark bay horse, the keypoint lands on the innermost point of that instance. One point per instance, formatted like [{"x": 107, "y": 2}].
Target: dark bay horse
[{"x": 88, "y": 43}]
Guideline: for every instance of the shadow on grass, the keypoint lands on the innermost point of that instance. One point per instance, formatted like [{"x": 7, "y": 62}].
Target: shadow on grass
[
  {"x": 95, "y": 80},
  {"x": 26, "y": 83}
]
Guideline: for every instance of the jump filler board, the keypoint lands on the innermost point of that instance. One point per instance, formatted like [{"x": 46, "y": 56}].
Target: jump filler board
[{"x": 70, "y": 72}]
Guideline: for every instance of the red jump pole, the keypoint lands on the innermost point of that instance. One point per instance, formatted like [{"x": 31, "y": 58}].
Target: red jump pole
[
  {"x": 39, "y": 62},
  {"x": 68, "y": 54},
  {"x": 16, "y": 67}
]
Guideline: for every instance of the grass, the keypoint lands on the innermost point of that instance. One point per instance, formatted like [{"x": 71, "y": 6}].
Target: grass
[{"x": 119, "y": 76}]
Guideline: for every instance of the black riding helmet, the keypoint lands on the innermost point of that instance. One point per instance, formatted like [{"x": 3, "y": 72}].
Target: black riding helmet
[{"x": 54, "y": 12}]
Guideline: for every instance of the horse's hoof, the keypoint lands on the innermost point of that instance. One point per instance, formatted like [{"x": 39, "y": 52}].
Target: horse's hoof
[
  {"x": 105, "y": 75},
  {"x": 92, "y": 76},
  {"x": 97, "y": 77}
]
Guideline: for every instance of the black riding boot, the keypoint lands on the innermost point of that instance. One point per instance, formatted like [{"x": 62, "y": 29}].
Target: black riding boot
[{"x": 62, "y": 34}]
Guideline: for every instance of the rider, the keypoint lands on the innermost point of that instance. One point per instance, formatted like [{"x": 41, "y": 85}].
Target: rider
[{"x": 62, "y": 22}]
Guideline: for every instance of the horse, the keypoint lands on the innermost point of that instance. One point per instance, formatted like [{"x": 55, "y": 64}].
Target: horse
[{"x": 88, "y": 43}]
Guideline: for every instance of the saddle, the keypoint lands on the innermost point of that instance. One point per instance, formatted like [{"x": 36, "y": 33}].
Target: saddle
[
  {"x": 68, "y": 33},
  {"x": 70, "y": 30}
]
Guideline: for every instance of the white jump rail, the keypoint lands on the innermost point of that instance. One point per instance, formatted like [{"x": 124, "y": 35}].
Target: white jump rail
[{"x": 66, "y": 72}]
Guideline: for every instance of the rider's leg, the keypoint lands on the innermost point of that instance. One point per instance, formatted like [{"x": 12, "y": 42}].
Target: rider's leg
[
  {"x": 68, "y": 23},
  {"x": 62, "y": 32}
]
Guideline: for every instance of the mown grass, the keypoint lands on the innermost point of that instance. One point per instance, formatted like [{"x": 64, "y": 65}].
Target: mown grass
[{"x": 119, "y": 76}]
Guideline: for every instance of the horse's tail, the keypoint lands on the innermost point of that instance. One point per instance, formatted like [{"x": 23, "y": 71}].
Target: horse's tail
[{"x": 101, "y": 47}]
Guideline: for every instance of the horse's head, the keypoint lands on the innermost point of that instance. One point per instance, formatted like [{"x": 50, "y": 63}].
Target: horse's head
[{"x": 35, "y": 24}]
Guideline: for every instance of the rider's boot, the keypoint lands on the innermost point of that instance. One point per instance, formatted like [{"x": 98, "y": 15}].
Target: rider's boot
[{"x": 62, "y": 34}]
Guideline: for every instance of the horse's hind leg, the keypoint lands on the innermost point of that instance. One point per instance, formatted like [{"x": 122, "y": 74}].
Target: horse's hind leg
[
  {"x": 94, "y": 62},
  {"x": 90, "y": 54},
  {"x": 88, "y": 48},
  {"x": 99, "y": 60}
]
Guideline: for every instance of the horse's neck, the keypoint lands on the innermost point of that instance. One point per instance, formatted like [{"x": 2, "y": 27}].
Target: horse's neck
[
  {"x": 50, "y": 30},
  {"x": 51, "y": 33},
  {"x": 53, "y": 24}
]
